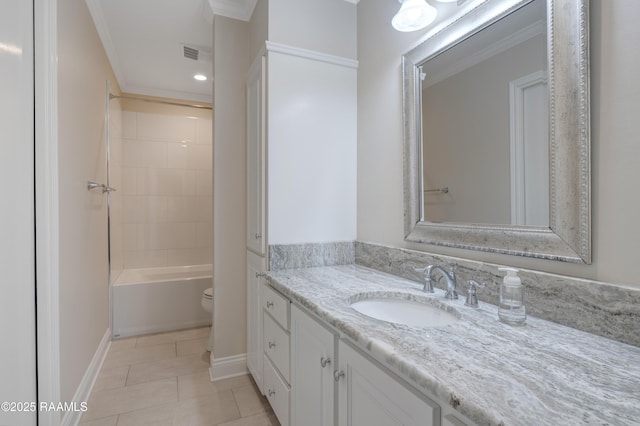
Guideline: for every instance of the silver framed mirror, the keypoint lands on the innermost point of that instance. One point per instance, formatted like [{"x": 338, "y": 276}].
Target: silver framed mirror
[{"x": 565, "y": 234}]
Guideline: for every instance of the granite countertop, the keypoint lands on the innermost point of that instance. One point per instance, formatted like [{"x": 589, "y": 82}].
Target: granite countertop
[{"x": 539, "y": 374}]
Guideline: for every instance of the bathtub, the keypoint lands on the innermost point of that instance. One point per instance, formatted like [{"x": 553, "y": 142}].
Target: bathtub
[{"x": 152, "y": 300}]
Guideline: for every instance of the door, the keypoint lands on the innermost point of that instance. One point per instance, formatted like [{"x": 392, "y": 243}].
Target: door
[
  {"x": 312, "y": 361},
  {"x": 367, "y": 396},
  {"x": 255, "y": 265},
  {"x": 17, "y": 215},
  {"x": 529, "y": 150},
  {"x": 255, "y": 158}
]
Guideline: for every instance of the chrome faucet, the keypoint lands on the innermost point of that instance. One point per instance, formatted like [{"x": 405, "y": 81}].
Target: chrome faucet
[{"x": 450, "y": 278}]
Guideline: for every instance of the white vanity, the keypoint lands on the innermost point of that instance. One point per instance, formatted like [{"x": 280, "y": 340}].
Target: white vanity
[
  {"x": 314, "y": 376},
  {"x": 325, "y": 363}
]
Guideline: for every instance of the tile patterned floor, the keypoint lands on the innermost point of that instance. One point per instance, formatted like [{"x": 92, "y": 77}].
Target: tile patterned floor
[{"x": 163, "y": 379}]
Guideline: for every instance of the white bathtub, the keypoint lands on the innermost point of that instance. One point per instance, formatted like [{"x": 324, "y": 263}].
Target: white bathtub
[{"x": 152, "y": 300}]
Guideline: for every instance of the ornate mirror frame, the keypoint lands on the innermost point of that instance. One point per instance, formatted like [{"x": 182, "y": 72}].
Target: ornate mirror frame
[{"x": 568, "y": 237}]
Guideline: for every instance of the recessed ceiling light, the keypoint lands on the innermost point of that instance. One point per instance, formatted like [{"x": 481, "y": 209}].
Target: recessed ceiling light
[{"x": 200, "y": 77}]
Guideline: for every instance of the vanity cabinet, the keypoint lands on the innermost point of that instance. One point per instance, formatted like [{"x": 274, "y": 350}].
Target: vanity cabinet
[
  {"x": 255, "y": 265},
  {"x": 255, "y": 242},
  {"x": 295, "y": 189},
  {"x": 312, "y": 364},
  {"x": 276, "y": 352},
  {"x": 312, "y": 377},
  {"x": 369, "y": 396}
]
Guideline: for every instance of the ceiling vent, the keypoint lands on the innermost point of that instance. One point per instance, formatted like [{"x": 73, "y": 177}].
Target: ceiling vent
[
  {"x": 195, "y": 53},
  {"x": 190, "y": 52}
]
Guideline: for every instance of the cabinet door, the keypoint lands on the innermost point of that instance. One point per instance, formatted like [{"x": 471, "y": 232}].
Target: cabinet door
[
  {"x": 368, "y": 396},
  {"x": 255, "y": 265},
  {"x": 312, "y": 364},
  {"x": 255, "y": 157}
]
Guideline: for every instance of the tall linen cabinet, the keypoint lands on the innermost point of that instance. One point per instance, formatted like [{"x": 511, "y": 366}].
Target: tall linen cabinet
[{"x": 301, "y": 164}]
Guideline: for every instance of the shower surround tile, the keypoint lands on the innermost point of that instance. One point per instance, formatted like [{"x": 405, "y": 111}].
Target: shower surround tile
[
  {"x": 604, "y": 309},
  {"x": 144, "y": 154},
  {"x": 159, "y": 127},
  {"x": 204, "y": 133},
  {"x": 292, "y": 256},
  {"x": 165, "y": 206}
]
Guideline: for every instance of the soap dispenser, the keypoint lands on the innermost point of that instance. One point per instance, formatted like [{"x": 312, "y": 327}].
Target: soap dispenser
[{"x": 511, "y": 309}]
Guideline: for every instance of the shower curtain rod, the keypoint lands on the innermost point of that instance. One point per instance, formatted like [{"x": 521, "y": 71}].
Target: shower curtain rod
[{"x": 153, "y": 101}]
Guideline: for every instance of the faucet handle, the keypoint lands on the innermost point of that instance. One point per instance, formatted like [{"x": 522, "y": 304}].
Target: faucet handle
[
  {"x": 428, "y": 282},
  {"x": 472, "y": 298}
]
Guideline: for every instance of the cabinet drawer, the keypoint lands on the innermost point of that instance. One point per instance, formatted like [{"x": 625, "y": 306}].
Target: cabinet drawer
[
  {"x": 276, "y": 346},
  {"x": 277, "y": 392},
  {"x": 276, "y": 305}
]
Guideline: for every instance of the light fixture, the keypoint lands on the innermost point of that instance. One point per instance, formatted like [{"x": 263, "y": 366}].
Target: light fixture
[
  {"x": 413, "y": 15},
  {"x": 200, "y": 77}
]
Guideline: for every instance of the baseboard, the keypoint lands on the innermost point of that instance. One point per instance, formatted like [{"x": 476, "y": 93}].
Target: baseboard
[
  {"x": 72, "y": 418},
  {"x": 231, "y": 366},
  {"x": 139, "y": 331}
]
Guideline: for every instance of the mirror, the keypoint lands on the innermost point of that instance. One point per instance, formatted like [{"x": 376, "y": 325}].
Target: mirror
[{"x": 497, "y": 143}]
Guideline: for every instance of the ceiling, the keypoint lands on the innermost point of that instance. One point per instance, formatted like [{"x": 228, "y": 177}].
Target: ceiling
[{"x": 144, "y": 42}]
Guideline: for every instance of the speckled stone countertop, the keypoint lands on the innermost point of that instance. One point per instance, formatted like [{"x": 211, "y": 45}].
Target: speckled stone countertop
[{"x": 538, "y": 374}]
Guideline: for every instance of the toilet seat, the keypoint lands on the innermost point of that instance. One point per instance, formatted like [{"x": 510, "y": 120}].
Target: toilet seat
[{"x": 208, "y": 293}]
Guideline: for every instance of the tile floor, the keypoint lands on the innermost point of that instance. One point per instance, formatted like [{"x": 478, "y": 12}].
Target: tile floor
[{"x": 163, "y": 379}]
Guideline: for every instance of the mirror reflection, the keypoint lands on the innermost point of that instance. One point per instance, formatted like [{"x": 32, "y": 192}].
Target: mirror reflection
[{"x": 485, "y": 130}]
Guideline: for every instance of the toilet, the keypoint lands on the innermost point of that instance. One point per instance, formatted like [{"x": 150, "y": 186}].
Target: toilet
[
  {"x": 207, "y": 304},
  {"x": 207, "y": 300}
]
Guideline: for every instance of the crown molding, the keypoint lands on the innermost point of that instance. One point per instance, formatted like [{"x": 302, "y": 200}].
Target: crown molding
[
  {"x": 271, "y": 46},
  {"x": 239, "y": 9},
  {"x": 163, "y": 93}
]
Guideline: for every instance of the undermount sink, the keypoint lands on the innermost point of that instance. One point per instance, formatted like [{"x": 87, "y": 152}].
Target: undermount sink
[{"x": 404, "y": 311}]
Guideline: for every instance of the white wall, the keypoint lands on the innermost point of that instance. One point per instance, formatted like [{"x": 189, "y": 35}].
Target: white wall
[
  {"x": 231, "y": 62},
  {"x": 380, "y": 192},
  {"x": 17, "y": 250},
  {"x": 326, "y": 26},
  {"x": 83, "y": 69},
  {"x": 258, "y": 27},
  {"x": 615, "y": 104}
]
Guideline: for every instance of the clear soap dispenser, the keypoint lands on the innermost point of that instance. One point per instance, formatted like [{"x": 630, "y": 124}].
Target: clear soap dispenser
[{"x": 511, "y": 309}]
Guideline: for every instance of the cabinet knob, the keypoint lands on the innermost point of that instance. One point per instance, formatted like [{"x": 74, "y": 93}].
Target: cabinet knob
[
  {"x": 272, "y": 345},
  {"x": 271, "y": 392},
  {"x": 337, "y": 375},
  {"x": 324, "y": 362},
  {"x": 269, "y": 305},
  {"x": 258, "y": 236}
]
